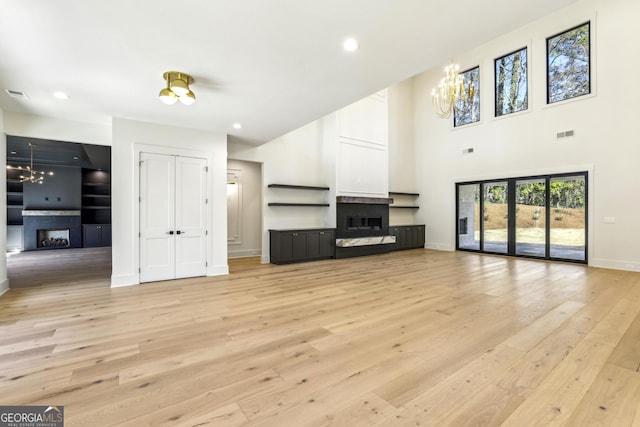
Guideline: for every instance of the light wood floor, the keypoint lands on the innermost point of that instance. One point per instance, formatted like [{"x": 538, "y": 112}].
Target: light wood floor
[
  {"x": 415, "y": 338},
  {"x": 90, "y": 267}
]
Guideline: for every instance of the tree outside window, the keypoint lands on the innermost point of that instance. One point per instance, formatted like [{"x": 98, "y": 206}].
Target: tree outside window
[
  {"x": 468, "y": 109},
  {"x": 512, "y": 92},
  {"x": 569, "y": 64}
]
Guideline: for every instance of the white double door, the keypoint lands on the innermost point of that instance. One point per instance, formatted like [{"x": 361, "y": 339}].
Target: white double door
[{"x": 173, "y": 234}]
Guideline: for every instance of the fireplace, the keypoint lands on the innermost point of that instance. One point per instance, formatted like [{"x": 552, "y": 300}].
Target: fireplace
[
  {"x": 362, "y": 226},
  {"x": 53, "y": 238},
  {"x": 51, "y": 229}
]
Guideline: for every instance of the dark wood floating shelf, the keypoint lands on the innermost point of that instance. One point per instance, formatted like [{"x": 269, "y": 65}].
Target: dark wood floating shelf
[
  {"x": 404, "y": 194},
  {"x": 405, "y": 207},
  {"x": 298, "y": 204},
  {"x": 298, "y": 187}
]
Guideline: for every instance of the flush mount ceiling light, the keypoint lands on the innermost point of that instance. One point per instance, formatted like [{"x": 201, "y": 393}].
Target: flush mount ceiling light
[
  {"x": 30, "y": 174},
  {"x": 177, "y": 88}
]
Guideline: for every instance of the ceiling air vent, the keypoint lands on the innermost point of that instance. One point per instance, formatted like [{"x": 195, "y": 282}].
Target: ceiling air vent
[{"x": 16, "y": 94}]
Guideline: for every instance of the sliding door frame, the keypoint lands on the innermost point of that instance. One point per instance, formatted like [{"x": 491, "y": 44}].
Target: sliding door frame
[{"x": 511, "y": 213}]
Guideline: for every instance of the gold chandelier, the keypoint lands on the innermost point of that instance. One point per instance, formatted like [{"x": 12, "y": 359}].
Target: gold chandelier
[
  {"x": 30, "y": 174},
  {"x": 451, "y": 89},
  {"x": 177, "y": 88}
]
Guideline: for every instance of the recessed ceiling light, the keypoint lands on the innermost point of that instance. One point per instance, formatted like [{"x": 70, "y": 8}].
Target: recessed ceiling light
[
  {"x": 350, "y": 45},
  {"x": 60, "y": 95},
  {"x": 237, "y": 126}
]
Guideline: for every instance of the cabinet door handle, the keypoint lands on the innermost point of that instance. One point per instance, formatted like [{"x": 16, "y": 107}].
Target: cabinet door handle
[{"x": 322, "y": 232}]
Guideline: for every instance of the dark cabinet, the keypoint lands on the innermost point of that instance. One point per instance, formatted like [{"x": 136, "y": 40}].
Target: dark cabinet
[
  {"x": 408, "y": 236},
  {"x": 287, "y": 246},
  {"x": 96, "y": 235}
]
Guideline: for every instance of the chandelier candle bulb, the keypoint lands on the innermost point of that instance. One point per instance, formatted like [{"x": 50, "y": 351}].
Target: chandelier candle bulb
[{"x": 450, "y": 90}]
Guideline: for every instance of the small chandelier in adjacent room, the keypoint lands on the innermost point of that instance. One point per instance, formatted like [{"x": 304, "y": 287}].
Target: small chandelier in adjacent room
[
  {"x": 450, "y": 90},
  {"x": 177, "y": 88},
  {"x": 29, "y": 173}
]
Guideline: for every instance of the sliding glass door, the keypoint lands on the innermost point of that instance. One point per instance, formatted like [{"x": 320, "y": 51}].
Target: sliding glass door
[
  {"x": 495, "y": 217},
  {"x": 567, "y": 234},
  {"x": 542, "y": 216},
  {"x": 469, "y": 216},
  {"x": 531, "y": 217}
]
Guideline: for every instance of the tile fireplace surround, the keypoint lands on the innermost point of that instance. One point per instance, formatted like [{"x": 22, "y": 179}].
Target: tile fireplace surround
[{"x": 39, "y": 220}]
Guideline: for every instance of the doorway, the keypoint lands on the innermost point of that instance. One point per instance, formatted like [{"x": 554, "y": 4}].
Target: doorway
[
  {"x": 58, "y": 229},
  {"x": 540, "y": 217}
]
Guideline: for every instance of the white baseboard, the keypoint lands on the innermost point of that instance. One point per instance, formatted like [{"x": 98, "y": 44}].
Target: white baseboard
[
  {"x": 615, "y": 265},
  {"x": 244, "y": 253},
  {"x": 4, "y": 286},
  {"x": 439, "y": 247},
  {"x": 218, "y": 270},
  {"x": 125, "y": 280}
]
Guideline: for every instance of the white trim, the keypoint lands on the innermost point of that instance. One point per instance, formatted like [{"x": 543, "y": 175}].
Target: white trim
[
  {"x": 172, "y": 151},
  {"x": 218, "y": 270},
  {"x": 4, "y": 286},
  {"x": 593, "y": 69},
  {"x": 125, "y": 280},
  {"x": 246, "y": 253},
  {"x": 615, "y": 265},
  {"x": 530, "y": 89}
]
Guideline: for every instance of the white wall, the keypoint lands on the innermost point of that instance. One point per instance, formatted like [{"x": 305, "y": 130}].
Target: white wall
[
  {"x": 248, "y": 221},
  {"x": 26, "y": 125},
  {"x": 128, "y": 138},
  {"x": 362, "y": 160},
  {"x": 605, "y": 141},
  {"x": 4, "y": 281},
  {"x": 402, "y": 160},
  {"x": 297, "y": 159}
]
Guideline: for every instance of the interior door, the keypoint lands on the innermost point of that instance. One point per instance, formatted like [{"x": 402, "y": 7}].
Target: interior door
[
  {"x": 191, "y": 214},
  {"x": 157, "y": 217},
  {"x": 172, "y": 217}
]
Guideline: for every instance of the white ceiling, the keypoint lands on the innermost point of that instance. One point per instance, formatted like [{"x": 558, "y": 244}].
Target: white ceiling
[{"x": 272, "y": 65}]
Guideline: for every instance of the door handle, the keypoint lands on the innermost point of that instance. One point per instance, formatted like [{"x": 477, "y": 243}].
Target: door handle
[
  {"x": 169, "y": 232},
  {"x": 179, "y": 232}
]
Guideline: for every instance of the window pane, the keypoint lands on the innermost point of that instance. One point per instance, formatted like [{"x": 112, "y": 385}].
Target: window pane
[
  {"x": 468, "y": 214},
  {"x": 512, "y": 93},
  {"x": 495, "y": 217},
  {"x": 568, "y": 64},
  {"x": 531, "y": 217},
  {"x": 568, "y": 218},
  {"x": 468, "y": 109}
]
